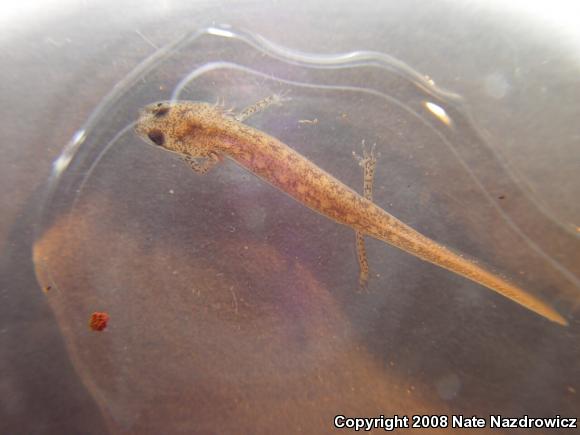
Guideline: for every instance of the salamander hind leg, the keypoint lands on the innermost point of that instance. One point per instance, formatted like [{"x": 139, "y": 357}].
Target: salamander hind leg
[
  {"x": 363, "y": 264},
  {"x": 368, "y": 162},
  {"x": 202, "y": 165}
]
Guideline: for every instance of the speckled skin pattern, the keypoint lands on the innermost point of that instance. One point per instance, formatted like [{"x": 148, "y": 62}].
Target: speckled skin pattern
[{"x": 205, "y": 131}]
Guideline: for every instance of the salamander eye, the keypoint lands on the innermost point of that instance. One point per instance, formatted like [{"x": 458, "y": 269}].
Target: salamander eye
[{"x": 157, "y": 137}]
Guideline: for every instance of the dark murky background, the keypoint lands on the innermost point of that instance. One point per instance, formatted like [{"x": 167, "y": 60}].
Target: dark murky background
[{"x": 291, "y": 345}]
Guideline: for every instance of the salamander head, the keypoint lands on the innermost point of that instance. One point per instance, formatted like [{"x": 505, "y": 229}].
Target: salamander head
[{"x": 183, "y": 127}]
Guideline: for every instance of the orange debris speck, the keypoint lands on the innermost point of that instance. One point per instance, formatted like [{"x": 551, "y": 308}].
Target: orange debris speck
[{"x": 98, "y": 321}]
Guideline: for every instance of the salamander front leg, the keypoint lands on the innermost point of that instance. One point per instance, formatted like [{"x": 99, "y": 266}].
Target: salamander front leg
[
  {"x": 368, "y": 162},
  {"x": 202, "y": 165},
  {"x": 260, "y": 106}
]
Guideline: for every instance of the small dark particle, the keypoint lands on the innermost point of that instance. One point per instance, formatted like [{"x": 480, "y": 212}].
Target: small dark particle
[
  {"x": 156, "y": 137},
  {"x": 98, "y": 321},
  {"x": 47, "y": 288},
  {"x": 501, "y": 197}
]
